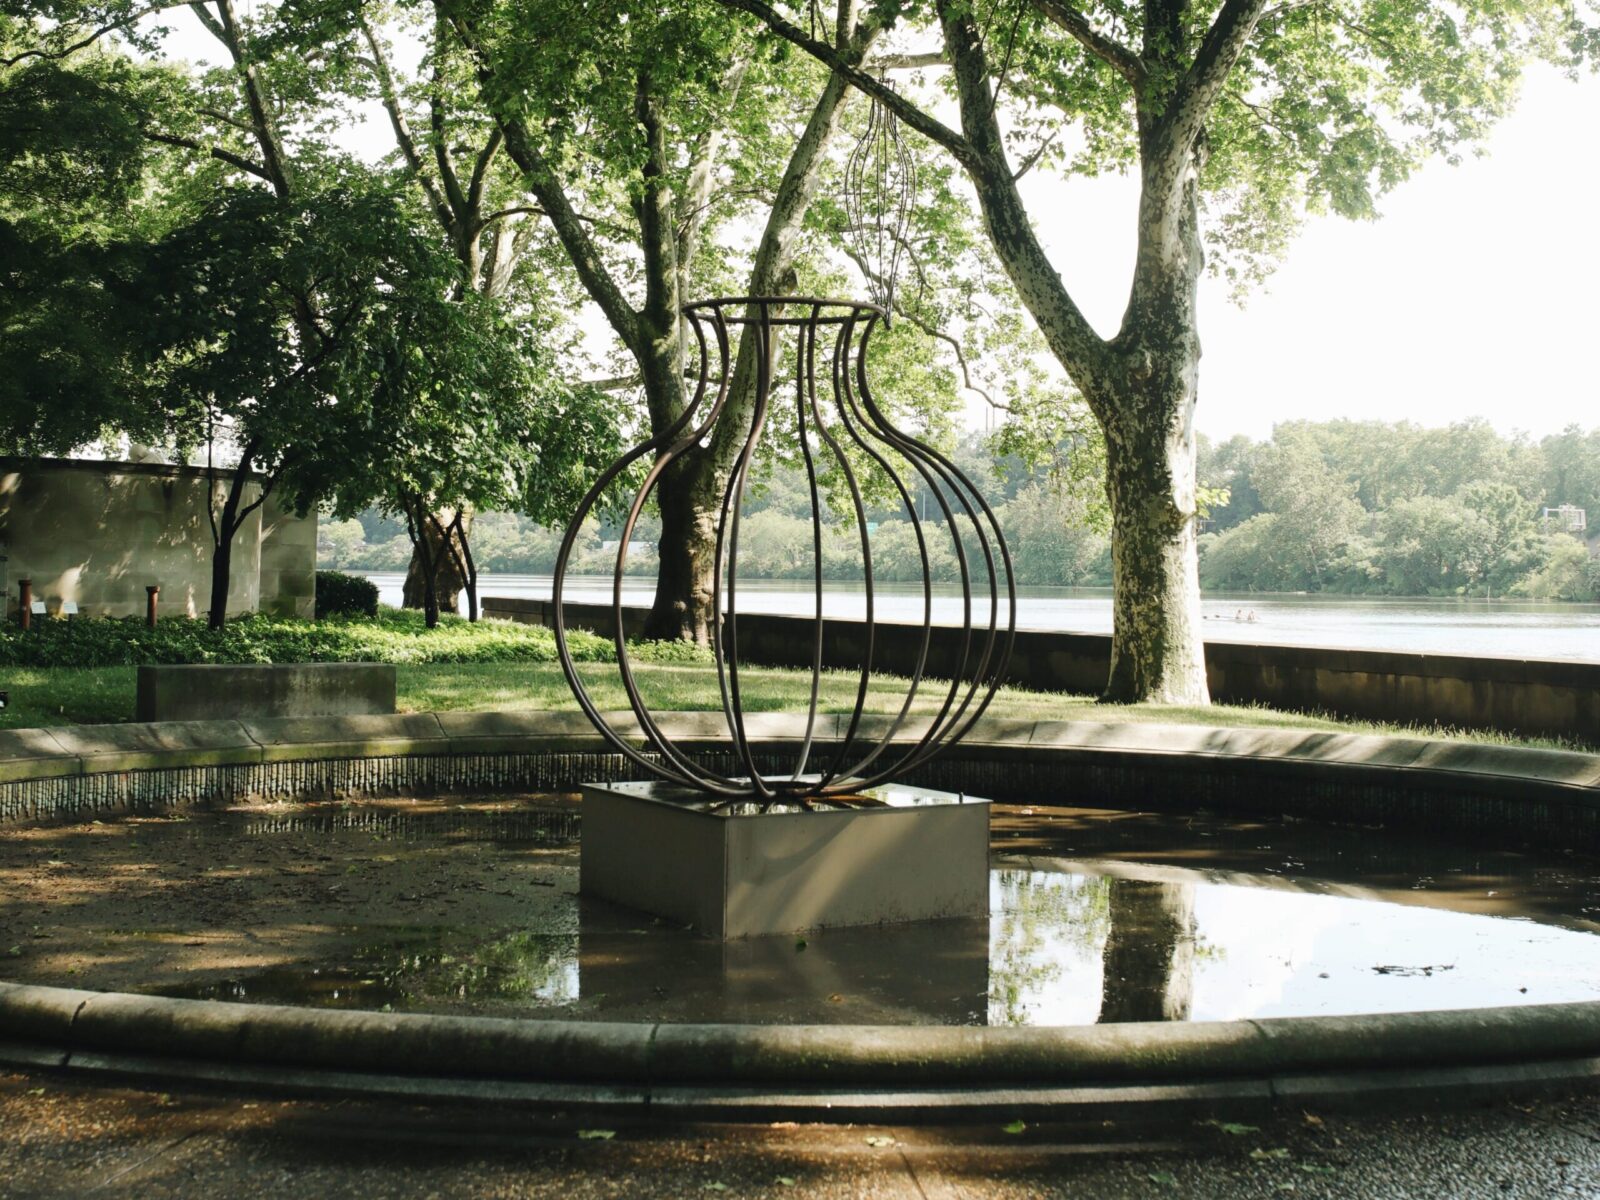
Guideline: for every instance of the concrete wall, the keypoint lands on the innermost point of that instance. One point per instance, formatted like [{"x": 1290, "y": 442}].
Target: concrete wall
[
  {"x": 1523, "y": 696},
  {"x": 211, "y": 691},
  {"x": 98, "y": 533}
]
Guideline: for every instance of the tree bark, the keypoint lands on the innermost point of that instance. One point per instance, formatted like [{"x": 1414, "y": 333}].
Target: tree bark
[
  {"x": 223, "y": 529},
  {"x": 434, "y": 582},
  {"x": 684, "y": 608}
]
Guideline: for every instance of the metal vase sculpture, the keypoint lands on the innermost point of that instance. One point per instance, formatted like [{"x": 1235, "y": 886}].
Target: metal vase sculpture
[{"x": 826, "y": 412}]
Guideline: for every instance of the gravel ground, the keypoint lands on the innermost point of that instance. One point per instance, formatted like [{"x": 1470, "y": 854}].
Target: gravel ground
[{"x": 64, "y": 1139}]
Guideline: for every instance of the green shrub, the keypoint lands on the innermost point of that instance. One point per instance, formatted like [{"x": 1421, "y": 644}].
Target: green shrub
[
  {"x": 394, "y": 635},
  {"x": 341, "y": 595}
]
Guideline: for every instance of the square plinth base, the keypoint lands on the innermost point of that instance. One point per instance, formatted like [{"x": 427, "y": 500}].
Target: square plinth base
[{"x": 924, "y": 855}]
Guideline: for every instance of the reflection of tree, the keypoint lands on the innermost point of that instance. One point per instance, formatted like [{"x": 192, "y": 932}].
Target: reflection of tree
[
  {"x": 517, "y": 966},
  {"x": 1035, "y": 905},
  {"x": 1149, "y": 954}
]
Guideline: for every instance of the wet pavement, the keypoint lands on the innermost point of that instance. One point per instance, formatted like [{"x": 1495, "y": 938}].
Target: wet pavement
[
  {"x": 61, "y": 1139},
  {"x": 469, "y": 905}
]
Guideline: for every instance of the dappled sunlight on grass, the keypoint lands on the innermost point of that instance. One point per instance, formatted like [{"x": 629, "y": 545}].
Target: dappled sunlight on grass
[{"x": 43, "y": 697}]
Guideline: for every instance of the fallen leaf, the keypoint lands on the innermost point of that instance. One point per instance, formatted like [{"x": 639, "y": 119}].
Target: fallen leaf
[
  {"x": 1261, "y": 1155},
  {"x": 1164, "y": 1178},
  {"x": 1015, "y": 1127},
  {"x": 597, "y": 1135},
  {"x": 1234, "y": 1128},
  {"x": 785, "y": 1180},
  {"x": 879, "y": 1139}
]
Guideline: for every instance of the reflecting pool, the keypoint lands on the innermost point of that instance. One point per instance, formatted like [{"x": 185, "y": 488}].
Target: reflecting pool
[{"x": 470, "y": 906}]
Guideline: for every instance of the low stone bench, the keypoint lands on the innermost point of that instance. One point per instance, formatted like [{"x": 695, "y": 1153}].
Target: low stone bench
[{"x": 211, "y": 692}]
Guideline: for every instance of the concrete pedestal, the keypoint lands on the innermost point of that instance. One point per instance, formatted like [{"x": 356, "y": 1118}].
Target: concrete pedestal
[{"x": 739, "y": 873}]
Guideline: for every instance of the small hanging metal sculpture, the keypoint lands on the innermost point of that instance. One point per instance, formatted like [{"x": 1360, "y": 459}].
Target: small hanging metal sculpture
[
  {"x": 843, "y": 423},
  {"x": 880, "y": 190}
]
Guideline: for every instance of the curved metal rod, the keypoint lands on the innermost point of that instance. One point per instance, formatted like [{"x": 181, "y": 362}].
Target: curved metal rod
[
  {"x": 683, "y": 763},
  {"x": 806, "y": 381},
  {"x": 991, "y": 673},
  {"x": 569, "y": 539},
  {"x": 841, "y": 345},
  {"x": 911, "y": 451},
  {"x": 727, "y": 557},
  {"x": 852, "y": 772}
]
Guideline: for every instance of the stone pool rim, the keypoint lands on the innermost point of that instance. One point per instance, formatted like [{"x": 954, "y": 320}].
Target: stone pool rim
[{"x": 831, "y": 1072}]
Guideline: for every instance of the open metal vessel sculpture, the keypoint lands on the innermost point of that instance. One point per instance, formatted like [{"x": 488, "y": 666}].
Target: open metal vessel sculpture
[{"x": 841, "y": 424}]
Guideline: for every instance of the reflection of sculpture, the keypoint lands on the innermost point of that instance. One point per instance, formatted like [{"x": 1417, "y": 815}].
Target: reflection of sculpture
[{"x": 845, "y": 429}]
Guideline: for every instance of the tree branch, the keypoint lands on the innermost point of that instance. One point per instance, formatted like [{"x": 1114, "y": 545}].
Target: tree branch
[
  {"x": 906, "y": 62},
  {"x": 930, "y": 128},
  {"x": 702, "y": 165},
  {"x": 226, "y": 27},
  {"x": 1066, "y": 330},
  {"x": 543, "y": 183},
  {"x": 216, "y": 152},
  {"x": 441, "y": 152},
  {"x": 390, "y": 96},
  {"x": 1107, "y": 49},
  {"x": 92, "y": 37},
  {"x": 480, "y": 168},
  {"x": 1202, "y": 83}
]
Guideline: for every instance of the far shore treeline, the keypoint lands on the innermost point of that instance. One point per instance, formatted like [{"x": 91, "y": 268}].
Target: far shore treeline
[{"x": 1343, "y": 507}]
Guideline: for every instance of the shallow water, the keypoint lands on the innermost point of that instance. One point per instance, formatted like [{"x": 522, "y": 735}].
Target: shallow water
[
  {"x": 470, "y": 906},
  {"x": 1542, "y": 629}
]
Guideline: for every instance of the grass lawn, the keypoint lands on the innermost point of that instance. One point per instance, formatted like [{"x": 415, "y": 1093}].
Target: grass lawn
[{"x": 59, "y": 696}]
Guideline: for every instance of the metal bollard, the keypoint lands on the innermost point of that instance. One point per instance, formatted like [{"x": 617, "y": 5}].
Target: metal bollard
[
  {"x": 25, "y": 587},
  {"x": 150, "y": 594}
]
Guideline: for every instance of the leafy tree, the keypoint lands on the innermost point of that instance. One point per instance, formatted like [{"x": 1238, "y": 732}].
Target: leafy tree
[
  {"x": 1239, "y": 117},
  {"x": 267, "y": 118},
  {"x": 1571, "y": 471},
  {"x": 1314, "y": 508},
  {"x": 1054, "y": 542},
  {"x": 646, "y": 136}
]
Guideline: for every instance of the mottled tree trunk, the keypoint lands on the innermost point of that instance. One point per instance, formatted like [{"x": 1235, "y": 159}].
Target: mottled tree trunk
[
  {"x": 685, "y": 602},
  {"x": 1149, "y": 952},
  {"x": 1157, "y": 652},
  {"x": 447, "y": 576}
]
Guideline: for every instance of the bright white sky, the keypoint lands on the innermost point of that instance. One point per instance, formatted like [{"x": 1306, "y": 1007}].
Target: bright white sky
[{"x": 1476, "y": 294}]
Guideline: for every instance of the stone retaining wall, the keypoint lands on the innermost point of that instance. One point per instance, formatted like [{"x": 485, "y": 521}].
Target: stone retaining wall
[{"x": 1522, "y": 696}]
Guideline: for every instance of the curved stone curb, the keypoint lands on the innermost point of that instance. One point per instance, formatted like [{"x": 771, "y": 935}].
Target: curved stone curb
[
  {"x": 734, "y": 1069},
  {"x": 28, "y": 755}
]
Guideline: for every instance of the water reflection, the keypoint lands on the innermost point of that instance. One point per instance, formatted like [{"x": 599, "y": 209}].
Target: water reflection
[
  {"x": 1147, "y": 964},
  {"x": 1096, "y": 915}
]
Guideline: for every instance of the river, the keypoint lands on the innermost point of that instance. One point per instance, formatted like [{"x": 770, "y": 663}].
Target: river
[{"x": 1506, "y": 628}]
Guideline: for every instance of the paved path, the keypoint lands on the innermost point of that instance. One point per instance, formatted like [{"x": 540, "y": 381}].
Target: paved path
[{"x": 65, "y": 1139}]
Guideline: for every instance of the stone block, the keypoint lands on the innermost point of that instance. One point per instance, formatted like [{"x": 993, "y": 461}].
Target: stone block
[
  {"x": 732, "y": 872},
  {"x": 189, "y": 693}
]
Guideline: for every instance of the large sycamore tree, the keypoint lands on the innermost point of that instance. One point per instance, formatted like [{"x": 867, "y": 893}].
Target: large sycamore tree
[{"x": 1238, "y": 118}]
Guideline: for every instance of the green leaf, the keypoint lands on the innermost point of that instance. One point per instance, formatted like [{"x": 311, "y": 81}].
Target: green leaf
[
  {"x": 1017, "y": 1126},
  {"x": 597, "y": 1135}
]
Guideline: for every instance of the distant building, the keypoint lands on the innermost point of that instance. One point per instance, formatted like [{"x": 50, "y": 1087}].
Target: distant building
[
  {"x": 91, "y": 535},
  {"x": 1565, "y": 518}
]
